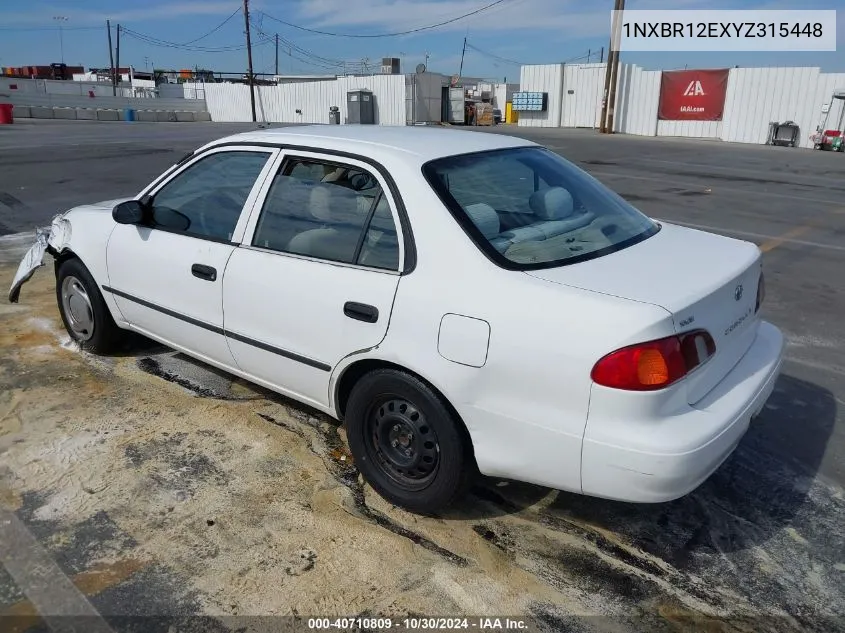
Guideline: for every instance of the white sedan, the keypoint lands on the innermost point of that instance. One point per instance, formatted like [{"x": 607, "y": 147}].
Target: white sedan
[{"x": 463, "y": 301}]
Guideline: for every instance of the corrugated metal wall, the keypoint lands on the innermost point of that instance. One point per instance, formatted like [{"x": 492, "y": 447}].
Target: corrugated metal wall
[
  {"x": 502, "y": 93},
  {"x": 695, "y": 129},
  {"x": 583, "y": 85},
  {"x": 755, "y": 97},
  {"x": 542, "y": 78},
  {"x": 583, "y": 90},
  {"x": 636, "y": 108},
  {"x": 279, "y": 104}
]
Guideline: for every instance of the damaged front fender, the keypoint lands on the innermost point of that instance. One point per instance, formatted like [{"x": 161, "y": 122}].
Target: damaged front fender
[{"x": 53, "y": 239}]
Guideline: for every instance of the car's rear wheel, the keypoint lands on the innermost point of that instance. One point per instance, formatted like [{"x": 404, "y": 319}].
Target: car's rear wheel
[
  {"x": 406, "y": 442},
  {"x": 83, "y": 310}
]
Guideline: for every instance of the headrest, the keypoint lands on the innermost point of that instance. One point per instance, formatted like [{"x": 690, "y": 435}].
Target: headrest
[
  {"x": 485, "y": 218},
  {"x": 320, "y": 202},
  {"x": 554, "y": 203},
  {"x": 334, "y": 176}
]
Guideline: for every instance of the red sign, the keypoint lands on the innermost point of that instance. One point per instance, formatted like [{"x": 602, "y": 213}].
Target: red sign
[{"x": 692, "y": 95}]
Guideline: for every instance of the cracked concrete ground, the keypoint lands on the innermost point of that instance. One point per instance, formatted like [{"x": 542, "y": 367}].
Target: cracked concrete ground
[{"x": 161, "y": 487}]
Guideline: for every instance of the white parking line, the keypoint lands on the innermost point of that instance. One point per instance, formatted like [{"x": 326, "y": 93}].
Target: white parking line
[
  {"x": 759, "y": 236},
  {"x": 720, "y": 188},
  {"x": 54, "y": 596}
]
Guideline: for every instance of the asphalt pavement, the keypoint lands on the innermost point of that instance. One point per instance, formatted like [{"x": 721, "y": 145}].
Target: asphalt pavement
[
  {"x": 788, "y": 201},
  {"x": 787, "y": 478}
]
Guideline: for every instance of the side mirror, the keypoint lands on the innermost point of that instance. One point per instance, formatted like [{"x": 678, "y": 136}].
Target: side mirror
[{"x": 129, "y": 212}]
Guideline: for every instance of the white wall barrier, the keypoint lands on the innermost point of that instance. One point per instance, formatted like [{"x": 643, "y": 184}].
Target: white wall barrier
[
  {"x": 755, "y": 97},
  {"x": 305, "y": 102}
]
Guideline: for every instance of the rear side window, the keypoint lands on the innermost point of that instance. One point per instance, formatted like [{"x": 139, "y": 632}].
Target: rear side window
[
  {"x": 529, "y": 208},
  {"x": 328, "y": 211}
]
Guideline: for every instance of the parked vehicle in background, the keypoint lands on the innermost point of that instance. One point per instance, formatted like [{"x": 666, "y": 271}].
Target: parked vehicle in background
[
  {"x": 497, "y": 116},
  {"x": 461, "y": 301}
]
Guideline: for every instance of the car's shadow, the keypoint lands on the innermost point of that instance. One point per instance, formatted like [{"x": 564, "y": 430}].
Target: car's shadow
[
  {"x": 757, "y": 492},
  {"x": 136, "y": 345}
]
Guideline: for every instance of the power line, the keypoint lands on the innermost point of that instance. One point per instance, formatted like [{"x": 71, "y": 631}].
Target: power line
[
  {"x": 308, "y": 57},
  {"x": 504, "y": 60},
  {"x": 408, "y": 32},
  {"x": 154, "y": 41},
  {"x": 291, "y": 47},
  {"x": 577, "y": 59},
  {"x": 50, "y": 28},
  {"x": 216, "y": 28}
]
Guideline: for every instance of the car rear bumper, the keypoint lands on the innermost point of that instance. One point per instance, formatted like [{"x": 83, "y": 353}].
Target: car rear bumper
[{"x": 690, "y": 443}]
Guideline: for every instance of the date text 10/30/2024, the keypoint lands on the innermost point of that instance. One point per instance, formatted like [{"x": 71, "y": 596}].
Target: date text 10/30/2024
[{"x": 417, "y": 624}]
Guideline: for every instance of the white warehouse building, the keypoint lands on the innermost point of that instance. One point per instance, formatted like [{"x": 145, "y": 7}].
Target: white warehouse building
[{"x": 751, "y": 100}]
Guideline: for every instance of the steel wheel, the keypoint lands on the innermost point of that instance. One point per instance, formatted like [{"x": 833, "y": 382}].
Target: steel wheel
[
  {"x": 76, "y": 305},
  {"x": 402, "y": 443},
  {"x": 407, "y": 443}
]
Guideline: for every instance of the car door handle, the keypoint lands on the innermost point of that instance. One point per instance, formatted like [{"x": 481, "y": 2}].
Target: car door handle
[
  {"x": 204, "y": 272},
  {"x": 360, "y": 311}
]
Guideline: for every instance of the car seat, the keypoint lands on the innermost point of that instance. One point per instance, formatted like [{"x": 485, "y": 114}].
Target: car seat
[
  {"x": 338, "y": 226},
  {"x": 555, "y": 209}
]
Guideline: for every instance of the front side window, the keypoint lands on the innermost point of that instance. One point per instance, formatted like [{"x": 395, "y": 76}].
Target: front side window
[
  {"x": 207, "y": 198},
  {"x": 530, "y": 208},
  {"x": 328, "y": 211}
]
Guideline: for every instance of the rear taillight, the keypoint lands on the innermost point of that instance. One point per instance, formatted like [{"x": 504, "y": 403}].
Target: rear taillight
[
  {"x": 655, "y": 364},
  {"x": 761, "y": 292}
]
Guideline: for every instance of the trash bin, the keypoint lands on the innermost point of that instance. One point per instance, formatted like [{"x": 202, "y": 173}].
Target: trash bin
[
  {"x": 128, "y": 114},
  {"x": 334, "y": 115},
  {"x": 360, "y": 106},
  {"x": 6, "y": 117}
]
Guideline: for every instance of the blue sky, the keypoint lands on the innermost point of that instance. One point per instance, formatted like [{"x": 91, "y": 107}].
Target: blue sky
[{"x": 526, "y": 31}]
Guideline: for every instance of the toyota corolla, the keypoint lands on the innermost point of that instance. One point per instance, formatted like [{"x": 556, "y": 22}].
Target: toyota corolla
[{"x": 462, "y": 301}]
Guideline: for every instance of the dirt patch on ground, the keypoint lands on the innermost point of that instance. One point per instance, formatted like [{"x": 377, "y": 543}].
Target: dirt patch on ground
[{"x": 251, "y": 505}]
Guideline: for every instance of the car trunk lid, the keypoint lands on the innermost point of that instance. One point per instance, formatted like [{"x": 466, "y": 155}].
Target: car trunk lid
[{"x": 704, "y": 281}]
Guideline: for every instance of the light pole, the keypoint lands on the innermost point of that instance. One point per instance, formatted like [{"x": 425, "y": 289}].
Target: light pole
[{"x": 61, "y": 19}]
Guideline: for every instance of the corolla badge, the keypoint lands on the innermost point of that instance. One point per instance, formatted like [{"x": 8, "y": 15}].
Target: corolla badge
[{"x": 738, "y": 292}]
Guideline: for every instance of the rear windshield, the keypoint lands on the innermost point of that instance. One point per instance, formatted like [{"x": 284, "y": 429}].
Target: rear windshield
[{"x": 529, "y": 208}]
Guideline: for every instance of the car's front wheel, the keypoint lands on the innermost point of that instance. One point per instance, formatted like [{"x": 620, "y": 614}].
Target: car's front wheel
[
  {"x": 406, "y": 442},
  {"x": 83, "y": 310}
]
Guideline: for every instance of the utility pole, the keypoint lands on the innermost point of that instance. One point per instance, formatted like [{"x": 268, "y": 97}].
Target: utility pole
[
  {"x": 250, "y": 77},
  {"x": 111, "y": 60},
  {"x": 277, "y": 54},
  {"x": 117, "y": 58},
  {"x": 611, "y": 108},
  {"x": 60, "y": 19},
  {"x": 589, "y": 54},
  {"x": 601, "y": 57},
  {"x": 463, "y": 52},
  {"x": 608, "y": 72}
]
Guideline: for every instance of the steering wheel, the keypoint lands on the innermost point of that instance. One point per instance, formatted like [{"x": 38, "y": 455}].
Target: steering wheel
[{"x": 214, "y": 205}]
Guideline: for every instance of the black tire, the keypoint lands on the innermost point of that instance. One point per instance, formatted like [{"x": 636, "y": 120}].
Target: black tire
[
  {"x": 84, "y": 312},
  {"x": 385, "y": 399}
]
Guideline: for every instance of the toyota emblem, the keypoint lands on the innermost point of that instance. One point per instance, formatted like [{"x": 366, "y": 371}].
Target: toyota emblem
[{"x": 738, "y": 292}]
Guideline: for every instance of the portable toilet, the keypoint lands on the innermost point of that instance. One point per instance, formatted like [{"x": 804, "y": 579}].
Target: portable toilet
[{"x": 360, "y": 106}]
